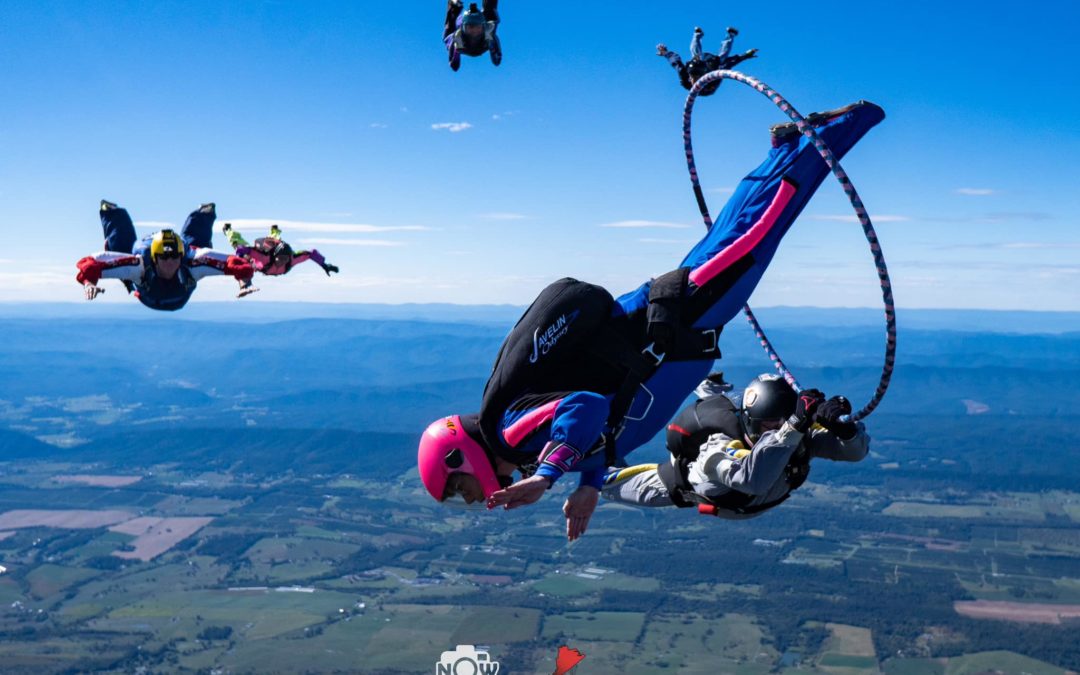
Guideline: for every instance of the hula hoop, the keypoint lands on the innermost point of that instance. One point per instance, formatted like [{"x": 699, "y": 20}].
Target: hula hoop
[{"x": 860, "y": 211}]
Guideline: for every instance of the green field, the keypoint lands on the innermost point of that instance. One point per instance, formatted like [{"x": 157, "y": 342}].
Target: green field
[
  {"x": 9, "y": 591},
  {"x": 914, "y": 667},
  {"x": 342, "y": 646},
  {"x": 570, "y": 585},
  {"x": 101, "y": 545},
  {"x": 48, "y": 580},
  {"x": 255, "y": 615},
  {"x": 692, "y": 644},
  {"x": 71, "y": 654},
  {"x": 496, "y": 625},
  {"x": 1006, "y": 663},
  {"x": 618, "y": 626},
  {"x": 1025, "y": 511},
  {"x": 848, "y": 661}
]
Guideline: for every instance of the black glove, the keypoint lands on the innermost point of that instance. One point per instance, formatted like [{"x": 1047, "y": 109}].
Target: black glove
[
  {"x": 829, "y": 414},
  {"x": 328, "y": 268},
  {"x": 805, "y": 407}
]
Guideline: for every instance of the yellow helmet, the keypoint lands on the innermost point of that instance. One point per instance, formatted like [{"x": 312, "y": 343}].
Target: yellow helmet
[{"x": 166, "y": 244}]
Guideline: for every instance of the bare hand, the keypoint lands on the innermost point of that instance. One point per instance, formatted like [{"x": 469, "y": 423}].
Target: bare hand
[
  {"x": 661, "y": 49},
  {"x": 520, "y": 493},
  {"x": 578, "y": 509},
  {"x": 752, "y": 54},
  {"x": 92, "y": 291}
]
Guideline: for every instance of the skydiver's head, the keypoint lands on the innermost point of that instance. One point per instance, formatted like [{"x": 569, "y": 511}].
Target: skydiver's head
[
  {"x": 767, "y": 401},
  {"x": 166, "y": 252},
  {"x": 454, "y": 464},
  {"x": 472, "y": 24}
]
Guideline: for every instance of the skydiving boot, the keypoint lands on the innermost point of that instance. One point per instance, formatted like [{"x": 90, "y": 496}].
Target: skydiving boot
[
  {"x": 226, "y": 229},
  {"x": 275, "y": 232},
  {"x": 247, "y": 287},
  {"x": 108, "y": 206},
  {"x": 784, "y": 133},
  {"x": 207, "y": 207}
]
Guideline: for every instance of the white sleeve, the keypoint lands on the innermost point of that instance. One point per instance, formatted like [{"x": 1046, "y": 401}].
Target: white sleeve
[
  {"x": 208, "y": 263},
  {"x": 123, "y": 266}
]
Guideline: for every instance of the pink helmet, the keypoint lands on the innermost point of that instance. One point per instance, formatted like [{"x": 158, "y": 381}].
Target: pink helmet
[{"x": 445, "y": 448}]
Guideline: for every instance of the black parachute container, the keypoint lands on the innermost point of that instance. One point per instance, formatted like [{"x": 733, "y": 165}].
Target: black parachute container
[{"x": 562, "y": 343}]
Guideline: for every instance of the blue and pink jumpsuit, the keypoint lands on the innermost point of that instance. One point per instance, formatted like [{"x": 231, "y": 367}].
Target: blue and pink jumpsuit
[{"x": 563, "y": 430}]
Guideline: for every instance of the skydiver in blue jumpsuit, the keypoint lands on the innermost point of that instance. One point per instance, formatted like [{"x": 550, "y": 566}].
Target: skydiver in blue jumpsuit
[{"x": 564, "y": 431}]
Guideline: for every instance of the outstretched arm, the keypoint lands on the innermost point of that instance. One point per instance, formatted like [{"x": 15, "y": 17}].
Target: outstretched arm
[
  {"x": 577, "y": 421},
  {"x": 107, "y": 265},
  {"x": 208, "y": 262},
  {"x": 833, "y": 437},
  {"x": 677, "y": 63}
]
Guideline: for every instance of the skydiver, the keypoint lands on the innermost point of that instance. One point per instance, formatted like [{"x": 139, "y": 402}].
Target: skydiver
[
  {"x": 737, "y": 463},
  {"x": 472, "y": 32},
  {"x": 272, "y": 256},
  {"x": 704, "y": 62},
  {"x": 660, "y": 341},
  {"x": 164, "y": 268}
]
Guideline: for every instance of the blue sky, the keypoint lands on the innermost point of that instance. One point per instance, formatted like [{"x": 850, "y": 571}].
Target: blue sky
[{"x": 332, "y": 119}]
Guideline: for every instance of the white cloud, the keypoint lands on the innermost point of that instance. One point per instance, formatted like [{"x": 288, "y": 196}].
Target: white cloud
[
  {"x": 974, "y": 192},
  {"x": 646, "y": 223},
  {"x": 452, "y": 127},
  {"x": 329, "y": 241},
  {"x": 156, "y": 225},
  {"x": 682, "y": 242},
  {"x": 721, "y": 190},
  {"x": 503, "y": 215},
  {"x": 378, "y": 125},
  {"x": 1040, "y": 244},
  {"x": 1013, "y": 245},
  {"x": 882, "y": 218},
  {"x": 503, "y": 115},
  {"x": 309, "y": 226}
]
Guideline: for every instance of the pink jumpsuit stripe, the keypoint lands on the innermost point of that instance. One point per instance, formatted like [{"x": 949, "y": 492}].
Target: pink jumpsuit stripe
[
  {"x": 746, "y": 243},
  {"x": 518, "y": 431}
]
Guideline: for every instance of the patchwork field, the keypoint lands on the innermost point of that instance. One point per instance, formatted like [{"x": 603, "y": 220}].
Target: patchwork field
[
  {"x": 1017, "y": 611},
  {"x": 72, "y": 519},
  {"x": 154, "y": 536}
]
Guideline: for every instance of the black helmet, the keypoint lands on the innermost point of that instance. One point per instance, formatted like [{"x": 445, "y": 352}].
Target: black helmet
[{"x": 768, "y": 397}]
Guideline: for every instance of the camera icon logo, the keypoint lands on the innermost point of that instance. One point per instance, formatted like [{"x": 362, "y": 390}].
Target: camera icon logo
[{"x": 466, "y": 660}]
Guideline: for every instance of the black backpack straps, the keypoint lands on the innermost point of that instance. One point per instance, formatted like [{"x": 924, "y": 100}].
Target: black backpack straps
[
  {"x": 670, "y": 316},
  {"x": 618, "y": 352},
  {"x": 664, "y": 315},
  {"x": 675, "y": 478}
]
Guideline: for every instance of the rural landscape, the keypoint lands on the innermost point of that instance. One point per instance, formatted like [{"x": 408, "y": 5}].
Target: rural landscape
[{"x": 192, "y": 528}]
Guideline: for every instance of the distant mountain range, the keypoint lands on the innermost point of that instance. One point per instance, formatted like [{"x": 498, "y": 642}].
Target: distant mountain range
[
  {"x": 80, "y": 385},
  {"x": 264, "y": 310}
]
